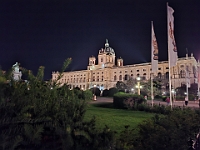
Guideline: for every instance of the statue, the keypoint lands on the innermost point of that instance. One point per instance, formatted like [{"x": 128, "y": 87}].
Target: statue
[{"x": 16, "y": 73}]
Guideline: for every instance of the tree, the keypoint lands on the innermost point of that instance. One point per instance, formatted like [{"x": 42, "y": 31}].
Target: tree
[
  {"x": 121, "y": 86},
  {"x": 45, "y": 115},
  {"x": 130, "y": 84},
  {"x": 112, "y": 91}
]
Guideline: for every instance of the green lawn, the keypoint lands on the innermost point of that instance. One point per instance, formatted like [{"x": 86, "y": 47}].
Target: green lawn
[{"x": 115, "y": 119}]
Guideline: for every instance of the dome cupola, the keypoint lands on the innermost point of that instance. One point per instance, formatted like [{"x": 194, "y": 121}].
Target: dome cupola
[{"x": 108, "y": 49}]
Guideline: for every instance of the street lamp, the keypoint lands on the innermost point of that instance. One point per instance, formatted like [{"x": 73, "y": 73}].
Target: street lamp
[
  {"x": 94, "y": 96},
  {"x": 132, "y": 90},
  {"x": 138, "y": 85}
]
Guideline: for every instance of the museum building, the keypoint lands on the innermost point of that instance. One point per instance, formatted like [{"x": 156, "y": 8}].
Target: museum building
[{"x": 105, "y": 71}]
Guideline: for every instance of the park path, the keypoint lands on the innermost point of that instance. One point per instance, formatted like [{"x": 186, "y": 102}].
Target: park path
[{"x": 191, "y": 104}]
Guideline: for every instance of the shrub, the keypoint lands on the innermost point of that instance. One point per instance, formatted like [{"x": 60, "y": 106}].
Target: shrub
[
  {"x": 166, "y": 132},
  {"x": 164, "y": 98},
  {"x": 126, "y": 100},
  {"x": 87, "y": 95},
  {"x": 158, "y": 97},
  {"x": 180, "y": 98},
  {"x": 143, "y": 107}
]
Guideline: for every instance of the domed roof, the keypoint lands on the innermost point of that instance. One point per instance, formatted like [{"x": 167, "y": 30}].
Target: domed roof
[{"x": 108, "y": 50}]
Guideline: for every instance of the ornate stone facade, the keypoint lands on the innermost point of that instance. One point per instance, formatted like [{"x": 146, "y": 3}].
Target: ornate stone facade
[{"x": 106, "y": 73}]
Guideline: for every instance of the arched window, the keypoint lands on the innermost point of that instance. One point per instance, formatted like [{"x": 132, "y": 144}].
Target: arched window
[
  {"x": 126, "y": 77},
  {"x": 115, "y": 78},
  {"x": 93, "y": 78},
  {"x": 138, "y": 75},
  {"x": 131, "y": 76},
  {"x": 120, "y": 77},
  {"x": 144, "y": 76},
  {"x": 182, "y": 74}
]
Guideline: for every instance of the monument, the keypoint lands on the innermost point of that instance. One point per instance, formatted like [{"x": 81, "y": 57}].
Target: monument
[{"x": 16, "y": 73}]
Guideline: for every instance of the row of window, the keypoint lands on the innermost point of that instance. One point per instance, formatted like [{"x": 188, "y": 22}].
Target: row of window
[
  {"x": 75, "y": 80},
  {"x": 97, "y": 79},
  {"x": 97, "y": 73},
  {"x": 139, "y": 70},
  {"x": 126, "y": 77}
]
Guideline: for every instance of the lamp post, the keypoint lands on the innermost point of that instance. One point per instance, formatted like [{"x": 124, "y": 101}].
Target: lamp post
[
  {"x": 138, "y": 85},
  {"x": 94, "y": 96}
]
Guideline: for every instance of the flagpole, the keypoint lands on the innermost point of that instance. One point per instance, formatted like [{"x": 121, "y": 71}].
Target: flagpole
[
  {"x": 152, "y": 97},
  {"x": 186, "y": 76},
  {"x": 169, "y": 59},
  {"x": 198, "y": 80}
]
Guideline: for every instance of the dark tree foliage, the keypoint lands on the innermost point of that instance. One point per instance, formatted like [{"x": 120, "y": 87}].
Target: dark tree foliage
[
  {"x": 121, "y": 86},
  {"x": 112, "y": 91},
  {"x": 105, "y": 92},
  {"x": 45, "y": 115},
  {"x": 96, "y": 91},
  {"x": 168, "y": 132}
]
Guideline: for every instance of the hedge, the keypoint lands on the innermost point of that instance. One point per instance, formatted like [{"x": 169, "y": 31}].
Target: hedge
[{"x": 126, "y": 100}]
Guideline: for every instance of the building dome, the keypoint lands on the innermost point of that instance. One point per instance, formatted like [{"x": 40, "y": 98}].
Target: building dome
[{"x": 108, "y": 50}]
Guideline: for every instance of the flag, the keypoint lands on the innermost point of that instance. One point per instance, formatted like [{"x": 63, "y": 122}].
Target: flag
[
  {"x": 172, "y": 49},
  {"x": 154, "y": 51}
]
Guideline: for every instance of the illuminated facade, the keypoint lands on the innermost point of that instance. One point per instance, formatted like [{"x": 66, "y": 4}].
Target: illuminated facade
[{"x": 106, "y": 72}]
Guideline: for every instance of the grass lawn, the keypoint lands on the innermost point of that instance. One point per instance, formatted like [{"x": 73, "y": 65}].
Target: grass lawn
[{"x": 115, "y": 119}]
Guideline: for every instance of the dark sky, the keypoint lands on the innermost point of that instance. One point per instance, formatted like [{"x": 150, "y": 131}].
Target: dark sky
[{"x": 46, "y": 32}]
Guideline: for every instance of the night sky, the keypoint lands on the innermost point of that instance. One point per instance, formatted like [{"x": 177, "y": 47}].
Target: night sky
[{"x": 46, "y": 32}]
